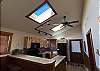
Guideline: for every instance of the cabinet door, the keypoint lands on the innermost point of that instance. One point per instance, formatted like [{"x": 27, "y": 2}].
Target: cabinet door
[
  {"x": 5, "y": 42},
  {"x": 3, "y": 63}
]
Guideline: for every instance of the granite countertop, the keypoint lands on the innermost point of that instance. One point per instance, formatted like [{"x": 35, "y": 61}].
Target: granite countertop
[
  {"x": 57, "y": 59},
  {"x": 34, "y": 59},
  {"x": 4, "y": 55}
]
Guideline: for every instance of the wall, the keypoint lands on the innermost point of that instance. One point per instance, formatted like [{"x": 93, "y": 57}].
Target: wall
[
  {"x": 73, "y": 33},
  {"x": 90, "y": 14},
  {"x": 35, "y": 39},
  {"x": 17, "y": 39},
  {"x": 61, "y": 40}
]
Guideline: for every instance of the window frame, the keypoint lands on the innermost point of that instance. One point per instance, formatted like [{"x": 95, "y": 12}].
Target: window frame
[{"x": 40, "y": 7}]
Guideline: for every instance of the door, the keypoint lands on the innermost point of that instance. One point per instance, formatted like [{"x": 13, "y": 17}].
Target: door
[
  {"x": 76, "y": 51},
  {"x": 62, "y": 49},
  {"x": 91, "y": 51}
]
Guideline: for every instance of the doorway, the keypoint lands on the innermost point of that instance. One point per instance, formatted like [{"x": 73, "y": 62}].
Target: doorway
[
  {"x": 62, "y": 49},
  {"x": 91, "y": 51},
  {"x": 76, "y": 51}
]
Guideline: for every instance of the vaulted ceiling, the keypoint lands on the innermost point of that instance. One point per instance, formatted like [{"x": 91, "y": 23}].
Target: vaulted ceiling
[{"x": 13, "y": 14}]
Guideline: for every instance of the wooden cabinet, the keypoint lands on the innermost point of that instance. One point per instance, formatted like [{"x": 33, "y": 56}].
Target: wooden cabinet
[
  {"x": 27, "y": 42},
  {"x": 26, "y": 65},
  {"x": 61, "y": 66},
  {"x": 5, "y": 42},
  {"x": 34, "y": 39},
  {"x": 52, "y": 43},
  {"x": 3, "y": 63}
]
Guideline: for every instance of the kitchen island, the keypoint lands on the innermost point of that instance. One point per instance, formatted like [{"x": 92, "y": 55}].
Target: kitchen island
[{"x": 33, "y": 63}]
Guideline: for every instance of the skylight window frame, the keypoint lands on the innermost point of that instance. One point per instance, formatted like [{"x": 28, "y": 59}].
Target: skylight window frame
[{"x": 55, "y": 13}]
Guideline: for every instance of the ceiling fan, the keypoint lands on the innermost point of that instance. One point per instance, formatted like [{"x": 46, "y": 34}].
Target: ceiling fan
[{"x": 66, "y": 23}]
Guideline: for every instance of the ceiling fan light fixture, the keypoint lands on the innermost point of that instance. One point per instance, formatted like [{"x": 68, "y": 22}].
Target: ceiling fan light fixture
[{"x": 59, "y": 27}]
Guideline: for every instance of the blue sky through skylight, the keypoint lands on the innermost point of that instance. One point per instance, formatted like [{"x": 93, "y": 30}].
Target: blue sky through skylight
[
  {"x": 42, "y": 9},
  {"x": 42, "y": 13}
]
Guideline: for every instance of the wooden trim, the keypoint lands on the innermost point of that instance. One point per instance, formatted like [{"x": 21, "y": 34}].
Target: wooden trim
[
  {"x": 42, "y": 24},
  {"x": 91, "y": 50},
  {"x": 5, "y": 33},
  {"x": 97, "y": 69},
  {"x": 86, "y": 60},
  {"x": 76, "y": 40},
  {"x": 25, "y": 42}
]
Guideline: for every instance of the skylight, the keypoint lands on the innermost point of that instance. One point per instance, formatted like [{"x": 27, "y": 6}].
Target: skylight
[
  {"x": 42, "y": 13},
  {"x": 59, "y": 27}
]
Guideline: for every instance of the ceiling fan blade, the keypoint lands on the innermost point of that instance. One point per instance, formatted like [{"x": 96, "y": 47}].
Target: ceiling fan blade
[
  {"x": 70, "y": 25},
  {"x": 73, "y": 22},
  {"x": 65, "y": 23}
]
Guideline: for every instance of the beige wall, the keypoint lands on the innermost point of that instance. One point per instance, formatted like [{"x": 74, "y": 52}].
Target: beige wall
[
  {"x": 35, "y": 39},
  {"x": 17, "y": 39},
  {"x": 90, "y": 14}
]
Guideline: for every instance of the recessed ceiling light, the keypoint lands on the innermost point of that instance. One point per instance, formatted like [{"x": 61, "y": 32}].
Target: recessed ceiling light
[{"x": 59, "y": 27}]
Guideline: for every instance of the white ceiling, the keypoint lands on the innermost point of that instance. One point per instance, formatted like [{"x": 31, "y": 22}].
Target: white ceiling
[{"x": 13, "y": 14}]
